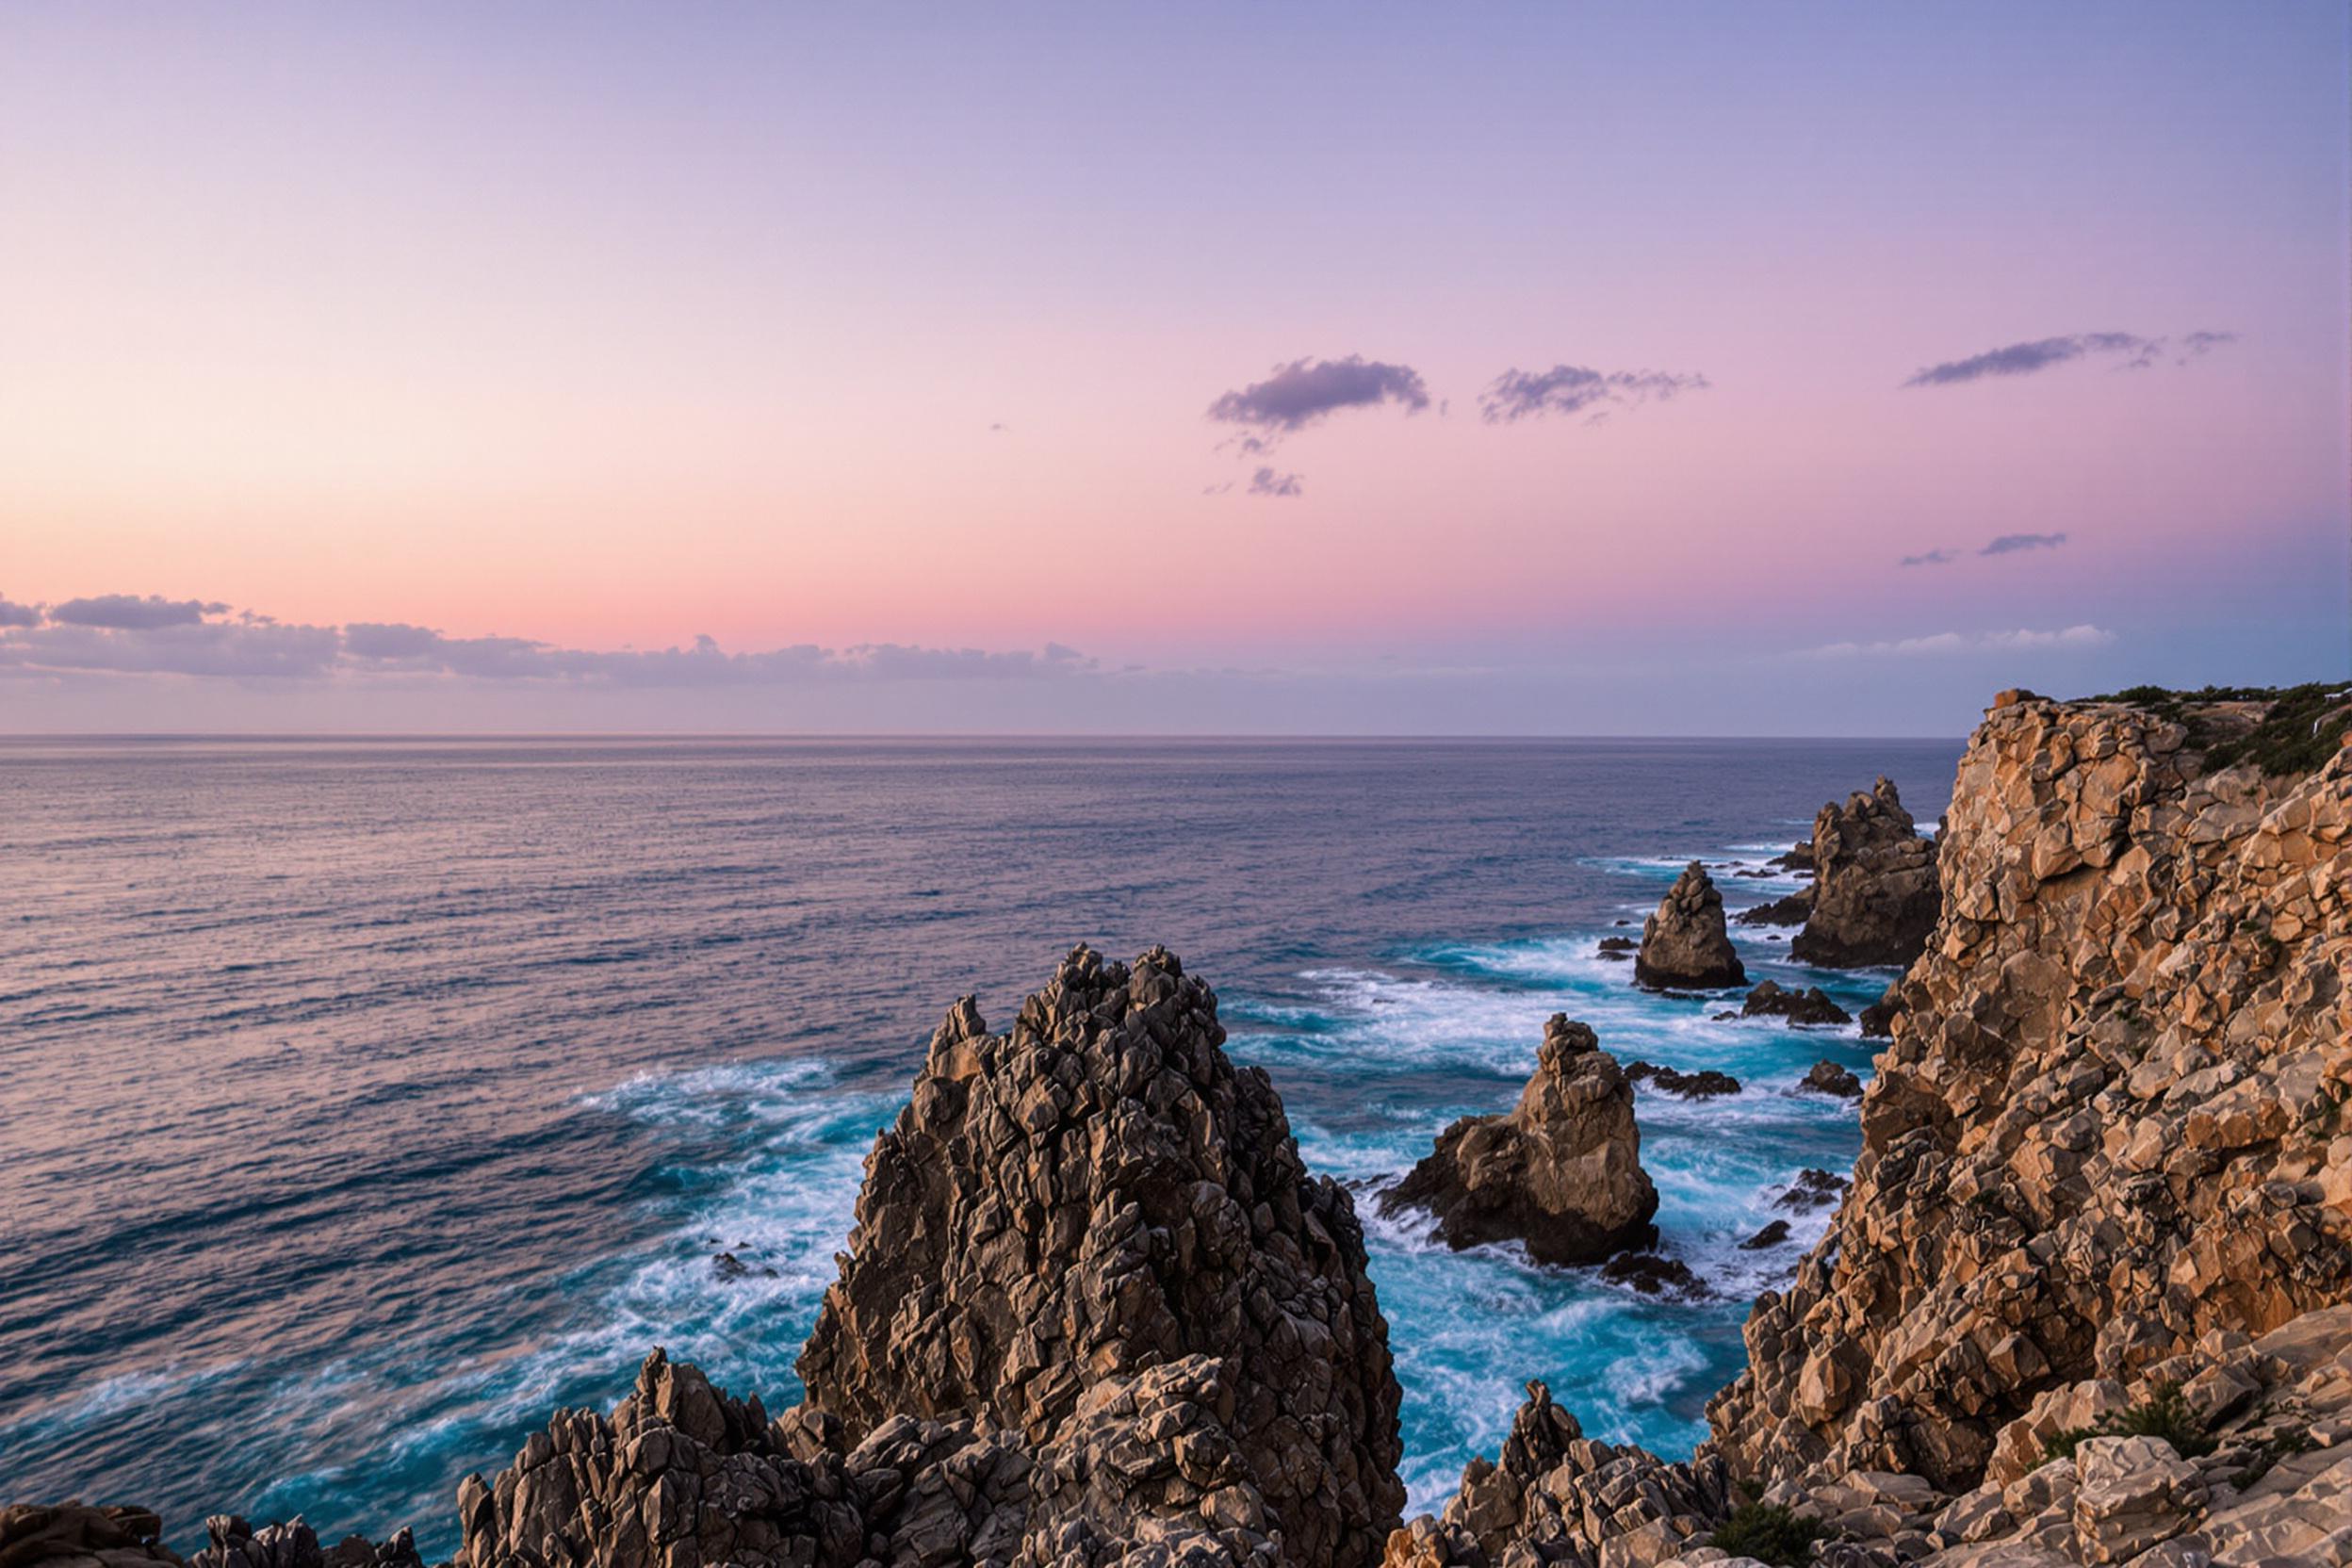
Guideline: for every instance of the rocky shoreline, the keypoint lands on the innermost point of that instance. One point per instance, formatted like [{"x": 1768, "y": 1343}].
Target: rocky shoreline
[{"x": 2086, "y": 1299}]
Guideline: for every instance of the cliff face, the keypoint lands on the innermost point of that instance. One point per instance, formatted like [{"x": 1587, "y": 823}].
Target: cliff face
[
  {"x": 1874, "y": 891},
  {"x": 2109, "y": 1120}
]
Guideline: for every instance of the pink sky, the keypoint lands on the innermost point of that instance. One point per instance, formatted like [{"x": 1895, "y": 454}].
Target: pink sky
[{"x": 607, "y": 334}]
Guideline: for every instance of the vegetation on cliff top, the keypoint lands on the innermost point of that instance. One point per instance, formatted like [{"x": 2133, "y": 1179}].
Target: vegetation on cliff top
[{"x": 2298, "y": 733}]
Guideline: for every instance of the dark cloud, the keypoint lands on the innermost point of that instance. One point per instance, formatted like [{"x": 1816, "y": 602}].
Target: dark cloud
[
  {"x": 252, "y": 646},
  {"x": 1305, "y": 390},
  {"x": 1930, "y": 558},
  {"x": 2009, "y": 544},
  {"x": 13, "y": 613},
  {"x": 129, "y": 612},
  {"x": 1576, "y": 389},
  {"x": 1266, "y": 481},
  {"x": 2132, "y": 351}
]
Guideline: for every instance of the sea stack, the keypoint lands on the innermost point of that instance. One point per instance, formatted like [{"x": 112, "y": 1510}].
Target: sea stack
[
  {"x": 1096, "y": 1193},
  {"x": 1684, "y": 945},
  {"x": 1875, "y": 897},
  {"x": 1561, "y": 1172}
]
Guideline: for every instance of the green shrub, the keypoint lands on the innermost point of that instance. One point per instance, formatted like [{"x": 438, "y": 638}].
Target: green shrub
[
  {"x": 2302, "y": 729},
  {"x": 1770, "y": 1533},
  {"x": 2164, "y": 1413}
]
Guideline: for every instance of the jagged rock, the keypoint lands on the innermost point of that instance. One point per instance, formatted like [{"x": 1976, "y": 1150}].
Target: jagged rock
[
  {"x": 1875, "y": 896},
  {"x": 1790, "y": 910},
  {"x": 1706, "y": 1084},
  {"x": 1684, "y": 945},
  {"x": 1878, "y": 1018},
  {"x": 1807, "y": 1006},
  {"x": 1560, "y": 1172},
  {"x": 1773, "y": 1235},
  {"x": 1097, "y": 1193},
  {"x": 1829, "y": 1078},
  {"x": 1812, "y": 1189},
  {"x": 2109, "y": 1120},
  {"x": 1799, "y": 857},
  {"x": 1653, "y": 1275},
  {"x": 1618, "y": 949},
  {"x": 234, "y": 1544},
  {"x": 70, "y": 1535},
  {"x": 1556, "y": 1495}
]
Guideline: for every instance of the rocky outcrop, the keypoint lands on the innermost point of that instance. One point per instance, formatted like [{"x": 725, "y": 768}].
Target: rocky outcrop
[
  {"x": 1874, "y": 896},
  {"x": 2110, "y": 1119},
  {"x": 1808, "y": 1006},
  {"x": 1560, "y": 1172},
  {"x": 1096, "y": 1193},
  {"x": 1684, "y": 945},
  {"x": 1827, "y": 1077},
  {"x": 1554, "y": 1495},
  {"x": 70, "y": 1535},
  {"x": 1794, "y": 909}
]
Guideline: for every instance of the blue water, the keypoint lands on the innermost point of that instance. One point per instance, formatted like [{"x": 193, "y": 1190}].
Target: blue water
[{"x": 362, "y": 1102}]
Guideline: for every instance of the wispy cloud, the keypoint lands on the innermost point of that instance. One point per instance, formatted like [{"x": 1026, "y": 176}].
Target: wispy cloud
[
  {"x": 1947, "y": 643},
  {"x": 1517, "y": 395},
  {"x": 1300, "y": 393},
  {"x": 1930, "y": 558},
  {"x": 2131, "y": 351},
  {"x": 2009, "y": 544},
  {"x": 120, "y": 635},
  {"x": 1266, "y": 481}
]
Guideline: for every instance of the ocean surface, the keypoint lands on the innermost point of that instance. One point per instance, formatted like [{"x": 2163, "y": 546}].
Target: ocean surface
[{"x": 361, "y": 1102}]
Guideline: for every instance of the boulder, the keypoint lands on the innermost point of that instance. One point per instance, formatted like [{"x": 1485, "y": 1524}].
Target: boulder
[
  {"x": 1827, "y": 1077},
  {"x": 1684, "y": 945},
  {"x": 1810, "y": 1006},
  {"x": 1790, "y": 910},
  {"x": 1874, "y": 896},
  {"x": 1560, "y": 1172},
  {"x": 1704, "y": 1084}
]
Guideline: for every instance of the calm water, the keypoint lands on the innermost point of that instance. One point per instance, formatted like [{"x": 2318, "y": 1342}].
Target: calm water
[{"x": 361, "y": 1102}]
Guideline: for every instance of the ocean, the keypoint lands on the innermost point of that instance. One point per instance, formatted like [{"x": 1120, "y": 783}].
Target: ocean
[{"x": 361, "y": 1102}]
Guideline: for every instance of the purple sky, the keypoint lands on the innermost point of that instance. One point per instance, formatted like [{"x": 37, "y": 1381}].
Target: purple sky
[{"x": 1709, "y": 369}]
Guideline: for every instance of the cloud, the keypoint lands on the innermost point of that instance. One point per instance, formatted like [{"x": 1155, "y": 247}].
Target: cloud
[
  {"x": 2023, "y": 359},
  {"x": 2009, "y": 544},
  {"x": 13, "y": 613},
  {"x": 1945, "y": 642},
  {"x": 1266, "y": 481},
  {"x": 1300, "y": 393},
  {"x": 129, "y": 612},
  {"x": 1517, "y": 395},
  {"x": 120, "y": 635},
  {"x": 1930, "y": 558}
]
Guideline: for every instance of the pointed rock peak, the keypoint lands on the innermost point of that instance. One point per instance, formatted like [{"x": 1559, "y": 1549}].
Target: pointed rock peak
[
  {"x": 1564, "y": 1038},
  {"x": 1685, "y": 944},
  {"x": 1098, "y": 1192}
]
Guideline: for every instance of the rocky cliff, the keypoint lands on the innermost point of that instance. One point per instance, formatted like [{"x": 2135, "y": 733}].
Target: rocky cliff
[
  {"x": 1685, "y": 944},
  {"x": 1560, "y": 1172}
]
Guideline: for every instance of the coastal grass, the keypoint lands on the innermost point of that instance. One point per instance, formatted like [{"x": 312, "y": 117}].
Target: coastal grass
[
  {"x": 2164, "y": 1412},
  {"x": 2301, "y": 730},
  {"x": 1770, "y": 1533}
]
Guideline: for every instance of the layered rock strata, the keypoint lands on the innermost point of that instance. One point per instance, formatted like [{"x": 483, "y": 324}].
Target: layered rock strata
[
  {"x": 1684, "y": 945},
  {"x": 1561, "y": 1171},
  {"x": 1874, "y": 897}
]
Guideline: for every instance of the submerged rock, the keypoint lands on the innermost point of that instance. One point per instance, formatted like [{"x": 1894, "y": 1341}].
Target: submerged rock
[
  {"x": 1875, "y": 897},
  {"x": 1790, "y": 910},
  {"x": 1705, "y": 1085},
  {"x": 1560, "y": 1172},
  {"x": 1812, "y": 1189},
  {"x": 1807, "y": 1006},
  {"x": 1684, "y": 945},
  {"x": 1097, "y": 1193},
  {"x": 1653, "y": 1275},
  {"x": 1774, "y": 1234}
]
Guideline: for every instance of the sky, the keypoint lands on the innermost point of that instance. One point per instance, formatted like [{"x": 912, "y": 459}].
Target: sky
[{"x": 1679, "y": 368}]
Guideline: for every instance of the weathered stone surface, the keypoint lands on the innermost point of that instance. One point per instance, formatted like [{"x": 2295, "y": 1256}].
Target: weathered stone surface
[
  {"x": 1875, "y": 896},
  {"x": 70, "y": 1535},
  {"x": 1096, "y": 1193},
  {"x": 2108, "y": 1119},
  {"x": 1560, "y": 1172},
  {"x": 1684, "y": 945},
  {"x": 1790, "y": 910}
]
